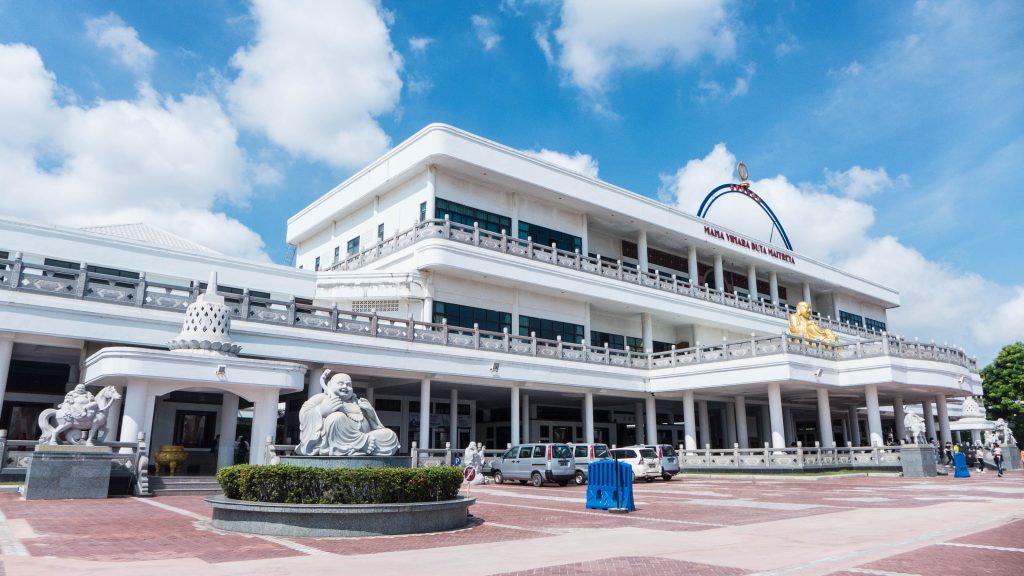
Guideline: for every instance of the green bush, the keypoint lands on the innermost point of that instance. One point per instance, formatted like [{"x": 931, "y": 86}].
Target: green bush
[{"x": 303, "y": 485}]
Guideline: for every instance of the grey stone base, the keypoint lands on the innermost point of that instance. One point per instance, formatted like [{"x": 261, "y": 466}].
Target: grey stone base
[
  {"x": 349, "y": 461},
  {"x": 1011, "y": 457},
  {"x": 326, "y": 520},
  {"x": 63, "y": 472},
  {"x": 918, "y": 460}
]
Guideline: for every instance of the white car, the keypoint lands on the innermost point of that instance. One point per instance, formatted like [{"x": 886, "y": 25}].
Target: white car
[{"x": 644, "y": 461}]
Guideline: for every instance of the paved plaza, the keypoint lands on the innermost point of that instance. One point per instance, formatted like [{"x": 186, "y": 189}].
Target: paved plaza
[{"x": 694, "y": 525}]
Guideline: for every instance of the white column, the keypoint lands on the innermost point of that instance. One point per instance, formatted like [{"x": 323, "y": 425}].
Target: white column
[
  {"x": 940, "y": 403},
  {"x": 588, "y": 417},
  {"x": 427, "y": 312},
  {"x": 134, "y": 419},
  {"x": 854, "y": 423},
  {"x": 453, "y": 418},
  {"x": 775, "y": 413},
  {"x": 525, "y": 430},
  {"x": 898, "y": 415},
  {"x": 874, "y": 416},
  {"x": 691, "y": 264},
  {"x": 730, "y": 424},
  {"x": 807, "y": 293},
  {"x": 313, "y": 388},
  {"x": 514, "y": 232},
  {"x": 773, "y": 287},
  {"x": 370, "y": 395},
  {"x": 752, "y": 282},
  {"x": 929, "y": 421},
  {"x": 425, "y": 414},
  {"x": 651, "y": 413},
  {"x": 824, "y": 419},
  {"x": 431, "y": 190},
  {"x": 689, "y": 424},
  {"x": 705, "y": 423},
  {"x": 264, "y": 425},
  {"x": 719, "y": 273},
  {"x": 227, "y": 429},
  {"x": 638, "y": 417},
  {"x": 6, "y": 351},
  {"x": 766, "y": 424},
  {"x": 788, "y": 425},
  {"x": 741, "y": 422},
  {"x": 513, "y": 418},
  {"x": 641, "y": 250},
  {"x": 648, "y": 331}
]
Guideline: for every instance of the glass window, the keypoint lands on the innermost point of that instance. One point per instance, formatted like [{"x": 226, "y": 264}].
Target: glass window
[
  {"x": 337, "y": 253},
  {"x": 547, "y": 236},
  {"x": 614, "y": 341},
  {"x": 635, "y": 344},
  {"x": 550, "y": 329},
  {"x": 423, "y": 211},
  {"x": 467, "y": 216},
  {"x": 539, "y": 452},
  {"x": 648, "y": 453},
  {"x": 561, "y": 452},
  {"x": 848, "y": 318},
  {"x": 668, "y": 451},
  {"x": 662, "y": 346},
  {"x": 525, "y": 451},
  {"x": 875, "y": 325},
  {"x": 316, "y": 265},
  {"x": 352, "y": 247},
  {"x": 380, "y": 232},
  {"x": 580, "y": 451},
  {"x": 601, "y": 451},
  {"x": 465, "y": 316},
  {"x": 510, "y": 453}
]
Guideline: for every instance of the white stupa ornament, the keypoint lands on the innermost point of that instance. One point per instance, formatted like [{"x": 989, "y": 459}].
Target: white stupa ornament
[
  {"x": 207, "y": 326},
  {"x": 970, "y": 408}
]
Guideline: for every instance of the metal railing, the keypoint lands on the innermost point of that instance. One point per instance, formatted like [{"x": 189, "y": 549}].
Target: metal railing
[
  {"x": 614, "y": 269},
  {"x": 83, "y": 284},
  {"x": 798, "y": 457}
]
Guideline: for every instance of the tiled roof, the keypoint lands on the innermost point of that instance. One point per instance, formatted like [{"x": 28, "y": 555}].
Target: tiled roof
[{"x": 147, "y": 234}]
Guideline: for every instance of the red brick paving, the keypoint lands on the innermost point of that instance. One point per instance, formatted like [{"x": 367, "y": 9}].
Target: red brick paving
[
  {"x": 953, "y": 561},
  {"x": 631, "y": 566},
  {"x": 478, "y": 533},
  {"x": 1009, "y": 536}
]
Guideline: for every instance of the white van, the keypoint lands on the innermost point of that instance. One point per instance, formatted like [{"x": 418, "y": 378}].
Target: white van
[
  {"x": 535, "y": 463},
  {"x": 644, "y": 461}
]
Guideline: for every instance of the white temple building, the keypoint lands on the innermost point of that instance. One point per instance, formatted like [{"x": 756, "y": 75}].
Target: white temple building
[{"x": 473, "y": 293}]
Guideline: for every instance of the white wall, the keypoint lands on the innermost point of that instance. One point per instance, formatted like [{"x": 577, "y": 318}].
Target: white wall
[
  {"x": 473, "y": 194},
  {"x": 847, "y": 303},
  {"x": 606, "y": 245},
  {"x": 551, "y": 215}
]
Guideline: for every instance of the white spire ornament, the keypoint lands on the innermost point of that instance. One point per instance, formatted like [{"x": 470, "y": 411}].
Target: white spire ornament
[{"x": 207, "y": 325}]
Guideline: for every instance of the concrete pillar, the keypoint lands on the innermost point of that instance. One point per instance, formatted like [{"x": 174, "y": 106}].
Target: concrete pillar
[
  {"x": 689, "y": 421},
  {"x": 525, "y": 430},
  {"x": 773, "y": 287},
  {"x": 976, "y": 437},
  {"x": 854, "y": 426},
  {"x": 638, "y": 417},
  {"x": 719, "y": 273},
  {"x": 227, "y": 428},
  {"x": 370, "y": 395},
  {"x": 752, "y": 282},
  {"x": 730, "y": 425},
  {"x": 824, "y": 419},
  {"x": 775, "y": 414},
  {"x": 425, "y": 414},
  {"x": 874, "y": 416},
  {"x": 788, "y": 426},
  {"x": 431, "y": 192},
  {"x": 741, "y": 421},
  {"x": 6, "y": 351},
  {"x": 940, "y": 403},
  {"x": 453, "y": 419},
  {"x": 691, "y": 265},
  {"x": 705, "y": 423},
  {"x": 641, "y": 250},
  {"x": 648, "y": 331},
  {"x": 588, "y": 417},
  {"x": 427, "y": 312},
  {"x": 807, "y": 293},
  {"x": 929, "y": 421},
  {"x": 766, "y": 427},
  {"x": 134, "y": 419},
  {"x": 513, "y": 418},
  {"x": 898, "y": 415},
  {"x": 313, "y": 388},
  {"x": 650, "y": 411},
  {"x": 264, "y": 425}
]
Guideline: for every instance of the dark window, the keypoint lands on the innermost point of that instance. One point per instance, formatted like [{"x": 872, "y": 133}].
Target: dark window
[
  {"x": 547, "y": 237},
  {"x": 337, "y": 253},
  {"x": 561, "y": 452},
  {"x": 558, "y": 413},
  {"x": 876, "y": 325},
  {"x": 635, "y": 344},
  {"x": 194, "y": 429},
  {"x": 539, "y": 452},
  {"x": 423, "y": 211},
  {"x": 463, "y": 409},
  {"x": 352, "y": 246},
  {"x": 387, "y": 405},
  {"x": 656, "y": 257},
  {"x": 113, "y": 272},
  {"x": 525, "y": 451},
  {"x": 662, "y": 346},
  {"x": 614, "y": 341},
  {"x": 550, "y": 329},
  {"x": 380, "y": 232},
  {"x": 466, "y": 316},
  {"x": 21, "y": 419},
  {"x": 316, "y": 264},
  {"x": 467, "y": 216},
  {"x": 848, "y": 318}
]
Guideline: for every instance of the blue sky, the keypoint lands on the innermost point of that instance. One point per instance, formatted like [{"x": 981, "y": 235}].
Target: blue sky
[{"x": 884, "y": 134}]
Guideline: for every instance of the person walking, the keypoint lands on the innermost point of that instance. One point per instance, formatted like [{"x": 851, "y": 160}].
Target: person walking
[
  {"x": 980, "y": 455},
  {"x": 997, "y": 456}
]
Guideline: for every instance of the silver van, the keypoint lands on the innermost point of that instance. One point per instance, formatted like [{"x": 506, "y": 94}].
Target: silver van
[
  {"x": 584, "y": 454},
  {"x": 535, "y": 463},
  {"x": 667, "y": 457}
]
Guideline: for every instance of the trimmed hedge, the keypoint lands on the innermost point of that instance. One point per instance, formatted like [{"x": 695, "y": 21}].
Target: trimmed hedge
[{"x": 287, "y": 484}]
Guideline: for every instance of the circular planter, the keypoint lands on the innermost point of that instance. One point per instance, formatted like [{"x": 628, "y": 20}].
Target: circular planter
[{"x": 325, "y": 520}]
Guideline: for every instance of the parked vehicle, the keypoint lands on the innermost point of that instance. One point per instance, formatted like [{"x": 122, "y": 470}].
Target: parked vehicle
[
  {"x": 535, "y": 463},
  {"x": 668, "y": 459},
  {"x": 644, "y": 461},
  {"x": 584, "y": 455}
]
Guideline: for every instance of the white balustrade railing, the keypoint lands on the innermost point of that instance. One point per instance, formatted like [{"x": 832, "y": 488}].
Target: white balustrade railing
[{"x": 795, "y": 457}]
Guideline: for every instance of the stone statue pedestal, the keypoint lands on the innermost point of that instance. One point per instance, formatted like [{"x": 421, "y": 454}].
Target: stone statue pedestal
[
  {"x": 348, "y": 461},
  {"x": 67, "y": 471},
  {"x": 918, "y": 460},
  {"x": 1011, "y": 457}
]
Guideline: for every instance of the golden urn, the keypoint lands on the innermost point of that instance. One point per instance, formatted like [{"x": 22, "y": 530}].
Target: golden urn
[{"x": 172, "y": 457}]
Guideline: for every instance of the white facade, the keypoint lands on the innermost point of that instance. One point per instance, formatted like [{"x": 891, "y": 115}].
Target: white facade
[{"x": 404, "y": 274}]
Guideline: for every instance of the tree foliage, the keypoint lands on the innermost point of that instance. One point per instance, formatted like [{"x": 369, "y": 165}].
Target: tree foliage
[{"x": 1003, "y": 383}]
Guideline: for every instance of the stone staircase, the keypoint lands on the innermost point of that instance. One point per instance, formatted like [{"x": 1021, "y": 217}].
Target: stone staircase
[{"x": 183, "y": 485}]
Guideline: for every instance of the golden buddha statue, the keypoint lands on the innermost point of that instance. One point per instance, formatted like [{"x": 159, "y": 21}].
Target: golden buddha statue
[{"x": 800, "y": 324}]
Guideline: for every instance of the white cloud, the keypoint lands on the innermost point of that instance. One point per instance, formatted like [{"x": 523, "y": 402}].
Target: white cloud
[
  {"x": 582, "y": 163},
  {"x": 420, "y": 44},
  {"x": 160, "y": 160},
  {"x": 937, "y": 301},
  {"x": 316, "y": 77},
  {"x": 711, "y": 90},
  {"x": 540, "y": 35},
  {"x": 484, "y": 28},
  {"x": 859, "y": 182},
  {"x": 599, "y": 37},
  {"x": 112, "y": 33}
]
